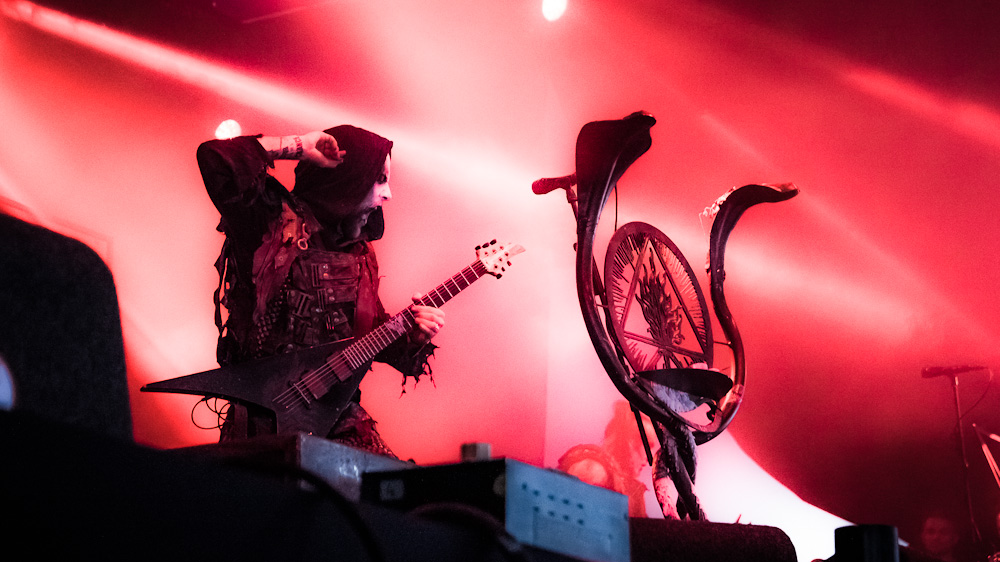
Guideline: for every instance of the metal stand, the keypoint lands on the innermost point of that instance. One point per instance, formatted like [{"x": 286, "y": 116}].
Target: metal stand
[{"x": 965, "y": 463}]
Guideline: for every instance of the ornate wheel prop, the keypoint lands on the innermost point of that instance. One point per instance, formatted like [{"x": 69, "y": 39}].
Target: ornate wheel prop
[{"x": 660, "y": 323}]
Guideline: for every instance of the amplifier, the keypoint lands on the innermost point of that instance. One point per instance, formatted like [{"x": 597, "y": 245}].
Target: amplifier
[
  {"x": 537, "y": 507},
  {"x": 338, "y": 465}
]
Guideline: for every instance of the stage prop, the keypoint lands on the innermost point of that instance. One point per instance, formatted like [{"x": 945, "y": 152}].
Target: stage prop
[{"x": 647, "y": 317}]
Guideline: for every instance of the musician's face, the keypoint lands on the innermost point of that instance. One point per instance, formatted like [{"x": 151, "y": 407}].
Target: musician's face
[
  {"x": 376, "y": 197},
  {"x": 380, "y": 192}
]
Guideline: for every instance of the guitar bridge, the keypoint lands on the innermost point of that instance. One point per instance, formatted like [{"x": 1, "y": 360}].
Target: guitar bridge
[{"x": 298, "y": 390}]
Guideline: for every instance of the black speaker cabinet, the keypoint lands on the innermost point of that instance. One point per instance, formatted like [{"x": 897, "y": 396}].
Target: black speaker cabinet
[
  {"x": 701, "y": 541},
  {"x": 60, "y": 330}
]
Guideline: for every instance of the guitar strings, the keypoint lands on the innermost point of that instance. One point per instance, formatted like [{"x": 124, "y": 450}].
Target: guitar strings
[
  {"x": 293, "y": 397},
  {"x": 346, "y": 357}
]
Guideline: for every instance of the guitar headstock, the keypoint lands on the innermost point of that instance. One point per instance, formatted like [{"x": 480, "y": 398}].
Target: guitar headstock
[{"x": 496, "y": 257}]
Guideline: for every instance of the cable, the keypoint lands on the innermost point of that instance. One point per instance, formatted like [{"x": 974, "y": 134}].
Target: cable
[
  {"x": 220, "y": 412},
  {"x": 470, "y": 516},
  {"x": 989, "y": 384},
  {"x": 324, "y": 490}
]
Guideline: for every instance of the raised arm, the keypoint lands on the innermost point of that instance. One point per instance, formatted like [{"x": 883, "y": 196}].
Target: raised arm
[
  {"x": 235, "y": 175},
  {"x": 317, "y": 147}
]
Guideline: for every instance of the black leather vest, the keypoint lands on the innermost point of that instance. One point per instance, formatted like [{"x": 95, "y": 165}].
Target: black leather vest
[{"x": 316, "y": 304}]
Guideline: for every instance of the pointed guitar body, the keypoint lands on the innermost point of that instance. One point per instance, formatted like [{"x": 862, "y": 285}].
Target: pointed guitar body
[
  {"x": 307, "y": 390},
  {"x": 265, "y": 382}
]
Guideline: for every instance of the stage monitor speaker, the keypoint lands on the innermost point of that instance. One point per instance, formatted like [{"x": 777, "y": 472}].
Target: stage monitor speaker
[
  {"x": 657, "y": 540},
  {"x": 542, "y": 508},
  {"x": 60, "y": 330}
]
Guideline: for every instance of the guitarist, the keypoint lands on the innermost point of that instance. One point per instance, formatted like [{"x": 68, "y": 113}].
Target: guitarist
[{"x": 297, "y": 268}]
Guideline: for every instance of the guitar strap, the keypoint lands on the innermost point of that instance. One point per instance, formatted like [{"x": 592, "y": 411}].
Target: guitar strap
[
  {"x": 279, "y": 248},
  {"x": 366, "y": 312}
]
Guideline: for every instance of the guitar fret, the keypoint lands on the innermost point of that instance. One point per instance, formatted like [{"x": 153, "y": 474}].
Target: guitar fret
[
  {"x": 467, "y": 282},
  {"x": 436, "y": 298},
  {"x": 358, "y": 355},
  {"x": 349, "y": 357},
  {"x": 365, "y": 349}
]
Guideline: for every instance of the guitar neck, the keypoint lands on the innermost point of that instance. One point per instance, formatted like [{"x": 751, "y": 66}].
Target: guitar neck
[{"x": 365, "y": 349}]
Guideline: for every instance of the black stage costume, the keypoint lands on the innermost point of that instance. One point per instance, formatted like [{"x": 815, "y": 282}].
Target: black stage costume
[{"x": 295, "y": 271}]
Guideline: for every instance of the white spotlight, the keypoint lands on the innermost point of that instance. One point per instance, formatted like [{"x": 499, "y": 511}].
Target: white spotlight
[
  {"x": 553, "y": 9},
  {"x": 228, "y": 129}
]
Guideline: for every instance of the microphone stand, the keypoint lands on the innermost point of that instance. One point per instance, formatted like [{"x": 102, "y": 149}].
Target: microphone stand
[
  {"x": 568, "y": 183},
  {"x": 965, "y": 465}
]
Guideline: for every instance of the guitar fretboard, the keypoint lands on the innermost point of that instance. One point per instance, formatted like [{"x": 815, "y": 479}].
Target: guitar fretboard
[{"x": 365, "y": 349}]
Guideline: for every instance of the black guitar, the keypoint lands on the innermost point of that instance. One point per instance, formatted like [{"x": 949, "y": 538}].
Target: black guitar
[{"x": 291, "y": 385}]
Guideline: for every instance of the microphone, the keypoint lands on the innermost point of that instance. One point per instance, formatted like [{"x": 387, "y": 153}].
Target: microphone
[
  {"x": 545, "y": 185},
  {"x": 931, "y": 372}
]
